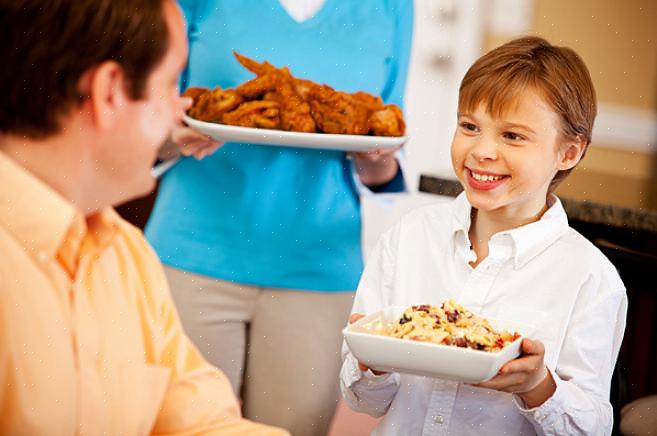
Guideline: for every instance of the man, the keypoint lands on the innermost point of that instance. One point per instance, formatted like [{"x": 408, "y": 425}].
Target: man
[{"x": 90, "y": 341}]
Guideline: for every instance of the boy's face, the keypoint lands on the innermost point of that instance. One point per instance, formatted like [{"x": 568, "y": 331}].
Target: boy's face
[{"x": 506, "y": 164}]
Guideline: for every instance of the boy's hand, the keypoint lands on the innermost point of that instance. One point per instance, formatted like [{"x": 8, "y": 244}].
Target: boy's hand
[
  {"x": 352, "y": 319},
  {"x": 525, "y": 376}
]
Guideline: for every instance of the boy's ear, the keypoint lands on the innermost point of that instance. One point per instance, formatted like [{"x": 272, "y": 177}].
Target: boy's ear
[
  {"x": 105, "y": 85},
  {"x": 572, "y": 151}
]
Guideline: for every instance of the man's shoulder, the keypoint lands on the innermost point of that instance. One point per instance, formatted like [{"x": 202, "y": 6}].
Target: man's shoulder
[
  {"x": 141, "y": 257},
  {"x": 131, "y": 234},
  {"x": 132, "y": 237}
]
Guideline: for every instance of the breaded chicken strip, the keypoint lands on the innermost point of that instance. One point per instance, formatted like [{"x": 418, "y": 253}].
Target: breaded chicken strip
[{"x": 257, "y": 113}]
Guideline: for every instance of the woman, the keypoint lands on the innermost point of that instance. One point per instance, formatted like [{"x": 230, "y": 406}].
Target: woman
[{"x": 262, "y": 243}]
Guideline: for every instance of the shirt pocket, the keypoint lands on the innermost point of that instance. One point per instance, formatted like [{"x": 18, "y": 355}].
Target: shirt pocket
[{"x": 141, "y": 388}]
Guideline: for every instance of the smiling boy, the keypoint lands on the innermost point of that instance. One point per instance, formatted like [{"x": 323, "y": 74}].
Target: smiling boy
[{"x": 504, "y": 249}]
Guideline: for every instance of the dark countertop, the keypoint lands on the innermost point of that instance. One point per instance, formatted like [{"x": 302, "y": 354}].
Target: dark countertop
[{"x": 642, "y": 220}]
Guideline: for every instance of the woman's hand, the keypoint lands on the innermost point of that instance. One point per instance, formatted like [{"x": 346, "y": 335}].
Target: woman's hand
[
  {"x": 526, "y": 376},
  {"x": 192, "y": 142},
  {"x": 352, "y": 319},
  {"x": 376, "y": 167}
]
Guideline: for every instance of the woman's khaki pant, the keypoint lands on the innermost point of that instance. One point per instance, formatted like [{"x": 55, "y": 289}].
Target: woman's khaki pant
[{"x": 280, "y": 348}]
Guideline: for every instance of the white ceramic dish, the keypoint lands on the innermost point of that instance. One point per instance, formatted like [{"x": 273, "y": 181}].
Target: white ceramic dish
[
  {"x": 389, "y": 354},
  {"x": 222, "y": 132}
]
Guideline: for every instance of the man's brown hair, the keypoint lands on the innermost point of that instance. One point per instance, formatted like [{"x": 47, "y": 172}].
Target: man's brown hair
[
  {"x": 47, "y": 46},
  {"x": 499, "y": 77}
]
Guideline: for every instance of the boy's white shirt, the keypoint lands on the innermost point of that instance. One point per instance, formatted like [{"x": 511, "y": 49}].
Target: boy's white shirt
[{"x": 544, "y": 274}]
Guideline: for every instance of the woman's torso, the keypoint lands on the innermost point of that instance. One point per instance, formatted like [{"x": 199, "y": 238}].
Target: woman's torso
[{"x": 265, "y": 215}]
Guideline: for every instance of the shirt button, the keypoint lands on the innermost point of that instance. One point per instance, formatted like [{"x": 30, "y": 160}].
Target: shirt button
[{"x": 438, "y": 419}]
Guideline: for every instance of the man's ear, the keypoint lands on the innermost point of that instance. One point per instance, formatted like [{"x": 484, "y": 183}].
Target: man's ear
[
  {"x": 571, "y": 153},
  {"x": 106, "y": 88}
]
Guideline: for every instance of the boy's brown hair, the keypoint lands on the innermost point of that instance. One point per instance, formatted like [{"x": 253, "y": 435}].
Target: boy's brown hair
[
  {"x": 46, "y": 47},
  {"x": 557, "y": 73}
]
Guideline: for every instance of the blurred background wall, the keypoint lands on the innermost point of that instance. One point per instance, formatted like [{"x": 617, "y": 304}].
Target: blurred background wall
[{"x": 618, "y": 41}]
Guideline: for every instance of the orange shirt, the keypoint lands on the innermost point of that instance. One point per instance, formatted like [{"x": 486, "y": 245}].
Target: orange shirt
[{"x": 90, "y": 342}]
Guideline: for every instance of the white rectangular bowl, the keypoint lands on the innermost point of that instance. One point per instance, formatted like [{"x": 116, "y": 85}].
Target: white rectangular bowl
[{"x": 384, "y": 353}]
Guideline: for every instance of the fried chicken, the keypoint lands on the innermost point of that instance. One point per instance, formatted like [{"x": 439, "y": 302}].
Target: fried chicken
[
  {"x": 257, "y": 113},
  {"x": 387, "y": 121},
  {"x": 275, "y": 99},
  {"x": 211, "y": 105},
  {"x": 277, "y": 84},
  {"x": 194, "y": 92},
  {"x": 337, "y": 112}
]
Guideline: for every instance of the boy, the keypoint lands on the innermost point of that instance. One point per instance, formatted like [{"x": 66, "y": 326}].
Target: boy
[
  {"x": 503, "y": 249},
  {"x": 90, "y": 342}
]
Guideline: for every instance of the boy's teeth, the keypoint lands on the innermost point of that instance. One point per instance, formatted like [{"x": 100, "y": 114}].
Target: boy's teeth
[{"x": 484, "y": 178}]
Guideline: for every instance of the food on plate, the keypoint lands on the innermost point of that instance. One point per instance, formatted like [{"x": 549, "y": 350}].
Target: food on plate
[
  {"x": 262, "y": 114},
  {"x": 338, "y": 112},
  {"x": 387, "y": 121},
  {"x": 275, "y": 99},
  {"x": 212, "y": 105},
  {"x": 194, "y": 92},
  {"x": 449, "y": 324}
]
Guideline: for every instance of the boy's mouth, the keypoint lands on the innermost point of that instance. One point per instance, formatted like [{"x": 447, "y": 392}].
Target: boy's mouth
[{"x": 483, "y": 180}]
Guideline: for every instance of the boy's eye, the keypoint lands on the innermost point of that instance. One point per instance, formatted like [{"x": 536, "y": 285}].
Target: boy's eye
[
  {"x": 468, "y": 126},
  {"x": 513, "y": 136}
]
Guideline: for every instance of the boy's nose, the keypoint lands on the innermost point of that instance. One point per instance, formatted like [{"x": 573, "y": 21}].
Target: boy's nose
[{"x": 484, "y": 149}]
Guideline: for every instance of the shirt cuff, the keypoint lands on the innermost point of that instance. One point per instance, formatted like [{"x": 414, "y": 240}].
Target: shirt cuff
[
  {"x": 351, "y": 373},
  {"x": 551, "y": 405},
  {"x": 375, "y": 380},
  {"x": 395, "y": 186}
]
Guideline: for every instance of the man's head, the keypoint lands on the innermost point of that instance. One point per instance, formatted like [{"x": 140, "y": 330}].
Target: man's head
[{"x": 99, "y": 72}]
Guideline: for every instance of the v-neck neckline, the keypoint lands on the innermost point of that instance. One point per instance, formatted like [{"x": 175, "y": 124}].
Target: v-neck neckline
[{"x": 310, "y": 22}]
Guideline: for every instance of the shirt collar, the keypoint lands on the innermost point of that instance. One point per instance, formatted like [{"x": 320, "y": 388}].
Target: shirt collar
[
  {"x": 461, "y": 226},
  {"x": 525, "y": 242},
  {"x": 41, "y": 219}
]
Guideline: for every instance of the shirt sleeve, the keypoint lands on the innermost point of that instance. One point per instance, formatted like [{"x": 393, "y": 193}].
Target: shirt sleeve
[
  {"x": 363, "y": 391},
  {"x": 383, "y": 194},
  {"x": 580, "y": 405},
  {"x": 199, "y": 398}
]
